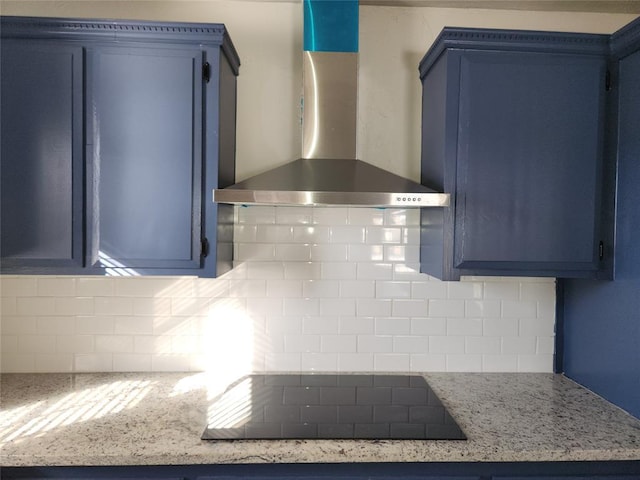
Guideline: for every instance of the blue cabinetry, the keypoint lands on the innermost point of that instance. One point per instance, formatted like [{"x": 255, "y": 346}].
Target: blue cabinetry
[
  {"x": 41, "y": 154},
  {"x": 615, "y": 470},
  {"x": 113, "y": 132},
  {"x": 603, "y": 316},
  {"x": 514, "y": 129}
]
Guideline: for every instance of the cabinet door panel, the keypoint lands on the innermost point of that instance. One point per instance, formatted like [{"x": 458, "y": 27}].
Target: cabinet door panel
[
  {"x": 41, "y": 130},
  {"x": 145, "y": 107},
  {"x": 529, "y": 144}
]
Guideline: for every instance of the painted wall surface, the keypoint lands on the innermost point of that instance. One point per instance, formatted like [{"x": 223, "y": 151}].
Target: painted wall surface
[
  {"x": 602, "y": 319},
  {"x": 313, "y": 289}
]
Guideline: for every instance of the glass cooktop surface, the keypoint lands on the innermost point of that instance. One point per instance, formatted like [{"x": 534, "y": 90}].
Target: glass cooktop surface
[{"x": 330, "y": 406}]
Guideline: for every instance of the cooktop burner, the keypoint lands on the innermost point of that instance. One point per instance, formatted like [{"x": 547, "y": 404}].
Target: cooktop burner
[{"x": 309, "y": 406}]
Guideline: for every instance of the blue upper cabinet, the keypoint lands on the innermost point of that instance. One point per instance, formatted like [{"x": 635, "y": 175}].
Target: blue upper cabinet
[
  {"x": 157, "y": 105},
  {"x": 514, "y": 128},
  {"x": 42, "y": 155}
]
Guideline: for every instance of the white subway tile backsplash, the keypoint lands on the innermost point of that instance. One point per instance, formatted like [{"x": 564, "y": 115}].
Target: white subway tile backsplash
[
  {"x": 313, "y": 289},
  {"x": 374, "y": 271},
  {"x": 519, "y": 345},
  {"x": 535, "y": 363},
  {"x": 347, "y": 234},
  {"x": 283, "y": 362},
  {"x": 302, "y": 270},
  {"x": 114, "y": 344},
  {"x": 374, "y": 343},
  {"x": 359, "y": 325},
  {"x": 95, "y": 324},
  {"x": 338, "y": 343},
  {"x": 35, "y": 305},
  {"x": 365, "y": 253},
  {"x": 56, "y": 287},
  {"x": 355, "y": 362},
  {"x": 500, "y": 327},
  {"x": 293, "y": 215},
  {"x": 464, "y": 290},
  {"x": 320, "y": 288},
  {"x": 337, "y": 307},
  {"x": 464, "y": 363},
  {"x": 319, "y": 362},
  {"x": 76, "y": 305},
  {"x": 514, "y": 308},
  {"x": 131, "y": 362},
  {"x": 446, "y": 345},
  {"x": 95, "y": 286},
  {"x": 54, "y": 362},
  {"x": 36, "y": 344},
  {"x": 330, "y": 216},
  {"x": 17, "y": 362},
  {"x": 429, "y": 326},
  {"x": 410, "y": 344},
  {"x": 316, "y": 325},
  {"x": 310, "y": 234},
  {"x": 301, "y": 343},
  {"x": 428, "y": 362},
  {"x": 464, "y": 326},
  {"x": 499, "y": 363},
  {"x": 391, "y": 362},
  {"x": 293, "y": 252},
  {"x": 410, "y": 308},
  {"x": 338, "y": 271},
  {"x": 482, "y": 308},
  {"x": 483, "y": 345},
  {"x": 133, "y": 325},
  {"x": 393, "y": 289},
  {"x": 19, "y": 286},
  {"x": 393, "y": 326},
  {"x": 446, "y": 308},
  {"x": 545, "y": 346},
  {"x": 55, "y": 325},
  {"x": 366, "y": 216},
  {"x": 501, "y": 290},
  {"x": 366, "y": 307},
  {"x": 397, "y": 253},
  {"x": 96, "y": 362},
  {"x": 382, "y": 235},
  {"x": 284, "y": 288},
  {"x": 535, "y": 327},
  {"x": 15, "y": 325},
  {"x": 328, "y": 253},
  {"x": 75, "y": 343}
]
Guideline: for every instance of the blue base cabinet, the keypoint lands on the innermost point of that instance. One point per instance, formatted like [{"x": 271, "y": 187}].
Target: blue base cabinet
[
  {"x": 615, "y": 470},
  {"x": 113, "y": 133},
  {"x": 514, "y": 129}
]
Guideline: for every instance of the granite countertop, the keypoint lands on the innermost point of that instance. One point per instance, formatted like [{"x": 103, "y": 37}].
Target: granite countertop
[{"x": 147, "y": 419}]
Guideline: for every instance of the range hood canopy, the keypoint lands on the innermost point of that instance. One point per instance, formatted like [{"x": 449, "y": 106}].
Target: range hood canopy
[{"x": 329, "y": 172}]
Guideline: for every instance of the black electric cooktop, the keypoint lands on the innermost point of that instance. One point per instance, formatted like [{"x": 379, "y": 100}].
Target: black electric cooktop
[{"x": 347, "y": 406}]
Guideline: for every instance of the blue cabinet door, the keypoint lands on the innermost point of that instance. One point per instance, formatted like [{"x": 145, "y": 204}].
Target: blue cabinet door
[
  {"x": 42, "y": 156},
  {"x": 514, "y": 129},
  {"x": 529, "y": 159},
  {"x": 144, "y": 150}
]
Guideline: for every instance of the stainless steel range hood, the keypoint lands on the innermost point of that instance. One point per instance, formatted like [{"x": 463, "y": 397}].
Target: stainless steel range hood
[{"x": 329, "y": 172}]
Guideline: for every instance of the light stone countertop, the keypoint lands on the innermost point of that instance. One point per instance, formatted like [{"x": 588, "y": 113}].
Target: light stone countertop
[{"x": 157, "y": 419}]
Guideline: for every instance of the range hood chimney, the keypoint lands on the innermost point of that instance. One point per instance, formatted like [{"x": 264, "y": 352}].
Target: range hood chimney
[{"x": 329, "y": 173}]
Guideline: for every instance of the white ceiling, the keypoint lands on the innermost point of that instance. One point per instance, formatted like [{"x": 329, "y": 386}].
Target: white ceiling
[{"x": 605, "y": 6}]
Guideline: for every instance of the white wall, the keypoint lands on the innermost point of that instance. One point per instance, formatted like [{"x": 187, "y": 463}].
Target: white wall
[{"x": 314, "y": 289}]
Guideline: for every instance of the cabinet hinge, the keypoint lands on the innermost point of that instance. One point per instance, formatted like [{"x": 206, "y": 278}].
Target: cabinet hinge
[
  {"x": 206, "y": 72},
  {"x": 607, "y": 81},
  {"x": 601, "y": 250},
  {"x": 204, "y": 249}
]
